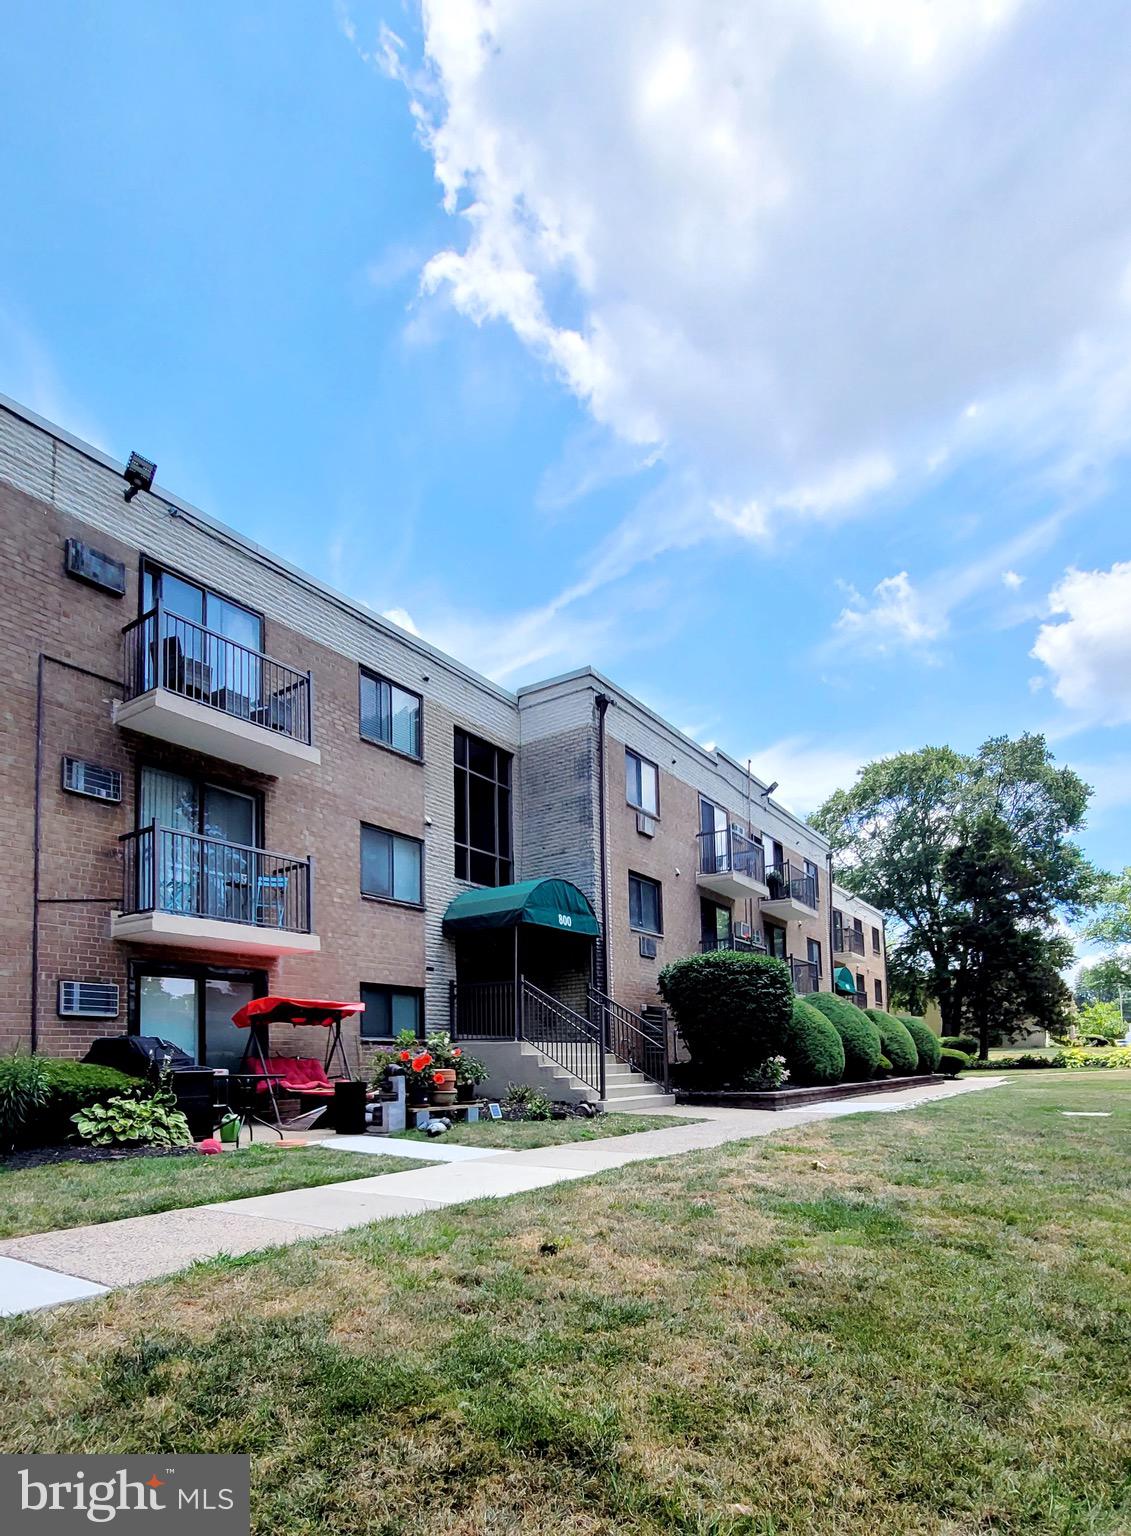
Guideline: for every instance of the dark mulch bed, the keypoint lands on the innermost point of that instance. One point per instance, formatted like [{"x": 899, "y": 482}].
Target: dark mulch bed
[{"x": 35, "y": 1157}]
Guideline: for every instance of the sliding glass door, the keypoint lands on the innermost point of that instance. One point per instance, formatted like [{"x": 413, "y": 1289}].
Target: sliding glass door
[
  {"x": 185, "y": 871},
  {"x": 192, "y": 1007}
]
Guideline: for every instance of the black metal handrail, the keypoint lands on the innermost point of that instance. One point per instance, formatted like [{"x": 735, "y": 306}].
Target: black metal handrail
[
  {"x": 730, "y": 852},
  {"x": 165, "y": 650},
  {"x": 847, "y": 939},
  {"x": 785, "y": 880},
  {"x": 569, "y": 1039},
  {"x": 631, "y": 1038},
  {"x": 806, "y": 976},
  {"x": 193, "y": 875},
  {"x": 744, "y": 946},
  {"x": 482, "y": 1010}
]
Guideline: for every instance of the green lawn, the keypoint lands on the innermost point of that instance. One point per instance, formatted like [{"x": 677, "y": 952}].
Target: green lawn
[
  {"x": 520, "y": 1135},
  {"x": 916, "y": 1323},
  {"x": 59, "y": 1195}
]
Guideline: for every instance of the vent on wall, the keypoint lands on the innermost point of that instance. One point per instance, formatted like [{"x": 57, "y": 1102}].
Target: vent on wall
[
  {"x": 91, "y": 779},
  {"x": 95, "y": 568},
  {"x": 647, "y": 948},
  {"x": 645, "y": 824},
  {"x": 88, "y": 1000}
]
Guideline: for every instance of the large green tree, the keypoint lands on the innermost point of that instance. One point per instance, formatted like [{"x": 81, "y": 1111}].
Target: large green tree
[
  {"x": 972, "y": 859},
  {"x": 1105, "y": 981}
]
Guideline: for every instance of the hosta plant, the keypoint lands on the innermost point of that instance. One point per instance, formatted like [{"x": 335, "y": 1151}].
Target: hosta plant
[{"x": 130, "y": 1121}]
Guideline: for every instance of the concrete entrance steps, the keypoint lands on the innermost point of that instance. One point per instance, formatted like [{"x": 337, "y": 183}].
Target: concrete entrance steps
[{"x": 629, "y": 1090}]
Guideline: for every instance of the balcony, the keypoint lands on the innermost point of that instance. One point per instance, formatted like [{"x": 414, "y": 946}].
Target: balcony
[
  {"x": 792, "y": 893},
  {"x": 806, "y": 976},
  {"x": 742, "y": 946},
  {"x": 182, "y": 890},
  {"x": 731, "y": 865},
  {"x": 196, "y": 688},
  {"x": 846, "y": 939}
]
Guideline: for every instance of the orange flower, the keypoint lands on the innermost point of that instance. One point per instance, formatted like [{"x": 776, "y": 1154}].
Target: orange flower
[
  {"x": 457, "y": 1051},
  {"x": 406, "y": 1055},
  {"x": 421, "y": 1061}
]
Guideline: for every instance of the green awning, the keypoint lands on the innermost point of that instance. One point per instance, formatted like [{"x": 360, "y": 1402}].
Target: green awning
[
  {"x": 844, "y": 981},
  {"x": 543, "y": 903}
]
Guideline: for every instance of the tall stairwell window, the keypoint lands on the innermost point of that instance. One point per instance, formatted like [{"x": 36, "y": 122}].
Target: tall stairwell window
[{"x": 482, "y": 811}]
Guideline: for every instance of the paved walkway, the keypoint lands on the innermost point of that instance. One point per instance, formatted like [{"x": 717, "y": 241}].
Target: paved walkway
[{"x": 53, "y": 1267}]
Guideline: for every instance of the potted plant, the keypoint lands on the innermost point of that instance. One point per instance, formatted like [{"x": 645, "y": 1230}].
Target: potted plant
[
  {"x": 470, "y": 1072},
  {"x": 417, "y": 1067}
]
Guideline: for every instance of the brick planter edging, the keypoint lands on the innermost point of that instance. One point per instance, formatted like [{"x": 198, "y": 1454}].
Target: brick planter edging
[{"x": 794, "y": 1098}]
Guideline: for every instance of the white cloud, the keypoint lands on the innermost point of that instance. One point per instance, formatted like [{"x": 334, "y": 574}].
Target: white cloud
[
  {"x": 807, "y": 770},
  {"x": 898, "y": 616},
  {"x": 1011, "y": 580},
  {"x": 805, "y": 251},
  {"x": 402, "y": 618},
  {"x": 1088, "y": 652}
]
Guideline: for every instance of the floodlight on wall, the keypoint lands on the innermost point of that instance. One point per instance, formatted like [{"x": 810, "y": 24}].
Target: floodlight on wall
[
  {"x": 769, "y": 789},
  {"x": 138, "y": 475}
]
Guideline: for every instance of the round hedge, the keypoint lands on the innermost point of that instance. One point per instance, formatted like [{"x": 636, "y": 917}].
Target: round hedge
[
  {"x": 964, "y": 1043},
  {"x": 899, "y": 1047},
  {"x": 72, "y": 1085},
  {"x": 858, "y": 1035},
  {"x": 926, "y": 1043},
  {"x": 951, "y": 1063},
  {"x": 732, "y": 1009},
  {"x": 811, "y": 1047}
]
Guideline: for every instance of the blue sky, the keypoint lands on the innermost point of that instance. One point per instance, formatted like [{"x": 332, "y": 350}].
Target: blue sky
[{"x": 772, "y": 359}]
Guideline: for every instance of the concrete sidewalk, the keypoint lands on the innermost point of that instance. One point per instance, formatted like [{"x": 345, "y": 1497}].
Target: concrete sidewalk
[{"x": 53, "y": 1267}]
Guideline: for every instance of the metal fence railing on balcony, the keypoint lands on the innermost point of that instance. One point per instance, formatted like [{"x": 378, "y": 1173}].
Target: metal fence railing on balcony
[
  {"x": 730, "y": 852},
  {"x": 164, "y": 650},
  {"x": 786, "y": 880},
  {"x": 755, "y": 946},
  {"x": 195, "y": 876},
  {"x": 847, "y": 940},
  {"x": 806, "y": 976}
]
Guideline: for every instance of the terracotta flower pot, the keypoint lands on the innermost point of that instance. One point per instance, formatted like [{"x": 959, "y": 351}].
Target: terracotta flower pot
[{"x": 443, "y": 1085}]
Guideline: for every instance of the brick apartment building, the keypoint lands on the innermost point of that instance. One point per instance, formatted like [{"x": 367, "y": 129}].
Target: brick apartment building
[{"x": 221, "y": 779}]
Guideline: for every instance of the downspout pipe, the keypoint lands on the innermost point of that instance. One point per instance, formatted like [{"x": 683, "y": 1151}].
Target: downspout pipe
[
  {"x": 829, "y": 888},
  {"x": 603, "y": 703}
]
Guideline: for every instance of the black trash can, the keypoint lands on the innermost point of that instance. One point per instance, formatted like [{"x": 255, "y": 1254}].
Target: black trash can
[{"x": 349, "y": 1109}]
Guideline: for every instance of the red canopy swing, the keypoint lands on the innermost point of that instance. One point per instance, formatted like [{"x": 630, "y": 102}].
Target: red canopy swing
[{"x": 306, "y": 1082}]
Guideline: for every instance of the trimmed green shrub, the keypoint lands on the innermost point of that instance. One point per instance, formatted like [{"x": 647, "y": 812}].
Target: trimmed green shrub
[
  {"x": 951, "y": 1063},
  {"x": 73, "y": 1086},
  {"x": 732, "y": 1009},
  {"x": 898, "y": 1046},
  {"x": 964, "y": 1043},
  {"x": 926, "y": 1043},
  {"x": 858, "y": 1035},
  {"x": 812, "y": 1047},
  {"x": 1007, "y": 1063},
  {"x": 883, "y": 1067}
]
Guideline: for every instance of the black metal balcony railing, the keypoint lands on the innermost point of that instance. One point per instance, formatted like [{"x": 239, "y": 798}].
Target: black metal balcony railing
[
  {"x": 731, "y": 941},
  {"x": 787, "y": 880},
  {"x": 730, "y": 852},
  {"x": 848, "y": 940},
  {"x": 195, "y": 876},
  {"x": 806, "y": 976},
  {"x": 164, "y": 650}
]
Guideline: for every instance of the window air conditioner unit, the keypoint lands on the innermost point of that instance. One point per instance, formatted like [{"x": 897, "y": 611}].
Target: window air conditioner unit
[
  {"x": 91, "y": 779},
  {"x": 95, "y": 568},
  {"x": 647, "y": 948},
  {"x": 88, "y": 1000},
  {"x": 743, "y": 931},
  {"x": 645, "y": 824}
]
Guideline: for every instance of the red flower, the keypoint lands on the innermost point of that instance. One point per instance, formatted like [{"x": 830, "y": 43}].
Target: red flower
[
  {"x": 421, "y": 1061},
  {"x": 457, "y": 1051},
  {"x": 406, "y": 1055}
]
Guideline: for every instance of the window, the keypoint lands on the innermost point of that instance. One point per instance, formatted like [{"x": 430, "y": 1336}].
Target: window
[
  {"x": 838, "y": 929},
  {"x": 879, "y": 993},
  {"x": 641, "y": 783},
  {"x": 875, "y": 941},
  {"x": 206, "y": 663},
  {"x": 482, "y": 811},
  {"x": 814, "y": 951},
  {"x": 389, "y": 714},
  {"x": 811, "y": 871},
  {"x": 858, "y": 927},
  {"x": 775, "y": 940},
  {"x": 391, "y": 866},
  {"x": 777, "y": 855},
  {"x": 645, "y": 905},
  {"x": 389, "y": 1010},
  {"x": 860, "y": 987}
]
